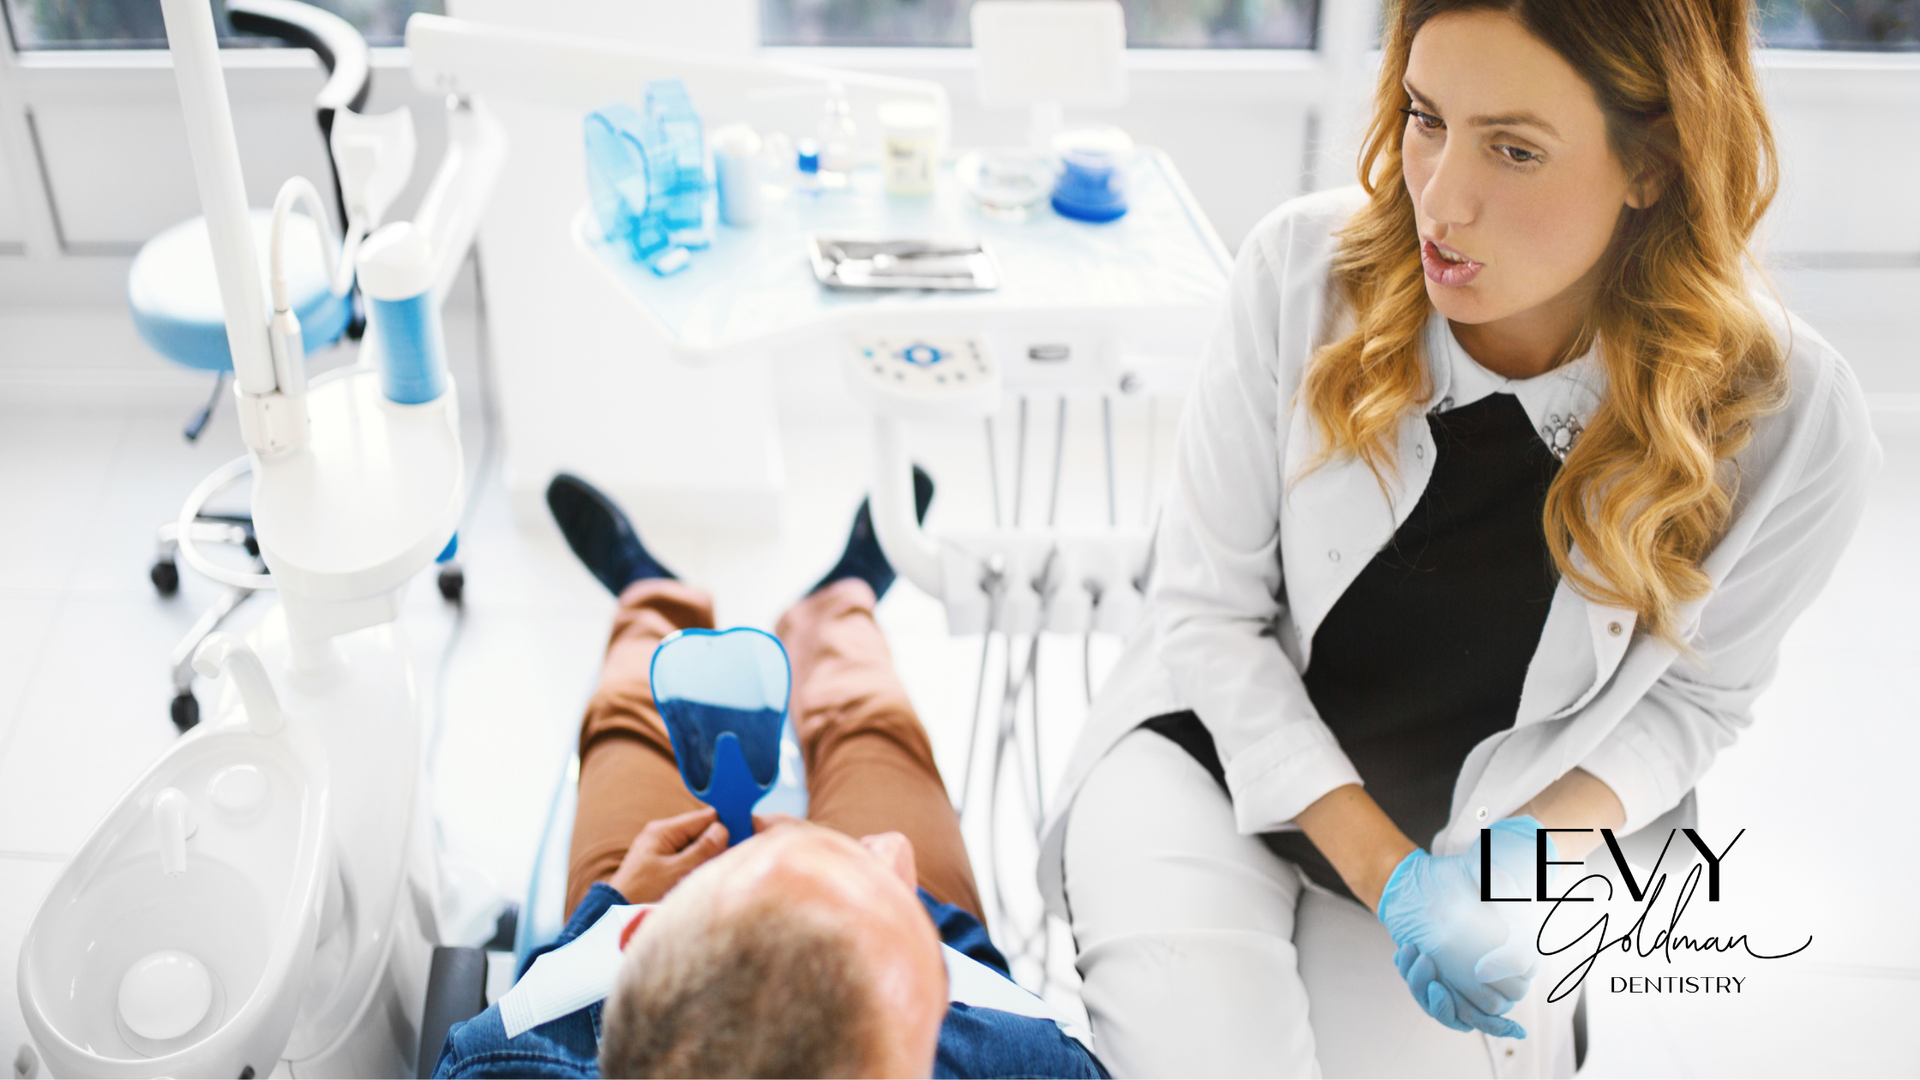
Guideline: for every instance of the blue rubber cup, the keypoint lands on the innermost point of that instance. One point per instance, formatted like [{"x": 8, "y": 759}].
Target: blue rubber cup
[{"x": 1092, "y": 186}]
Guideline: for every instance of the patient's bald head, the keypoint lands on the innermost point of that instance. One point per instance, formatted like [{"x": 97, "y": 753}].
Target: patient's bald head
[{"x": 801, "y": 952}]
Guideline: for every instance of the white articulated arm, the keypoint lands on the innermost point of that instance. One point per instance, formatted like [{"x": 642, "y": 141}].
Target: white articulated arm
[
  {"x": 223, "y": 192},
  {"x": 914, "y": 554},
  {"x": 450, "y": 211},
  {"x": 579, "y": 72},
  {"x": 273, "y": 415}
]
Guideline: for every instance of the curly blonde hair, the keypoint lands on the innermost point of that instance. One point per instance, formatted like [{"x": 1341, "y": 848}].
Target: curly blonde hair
[{"x": 1649, "y": 486}]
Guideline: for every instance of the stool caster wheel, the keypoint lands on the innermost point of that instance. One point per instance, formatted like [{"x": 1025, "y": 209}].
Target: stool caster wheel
[
  {"x": 165, "y": 575},
  {"x": 186, "y": 711},
  {"x": 453, "y": 583}
]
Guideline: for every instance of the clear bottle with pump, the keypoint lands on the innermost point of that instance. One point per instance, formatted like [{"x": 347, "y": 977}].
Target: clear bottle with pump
[{"x": 839, "y": 140}]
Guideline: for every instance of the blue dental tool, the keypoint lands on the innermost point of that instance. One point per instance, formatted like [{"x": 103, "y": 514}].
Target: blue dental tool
[{"x": 723, "y": 696}]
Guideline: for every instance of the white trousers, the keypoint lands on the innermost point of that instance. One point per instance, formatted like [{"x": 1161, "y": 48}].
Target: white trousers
[{"x": 1204, "y": 954}]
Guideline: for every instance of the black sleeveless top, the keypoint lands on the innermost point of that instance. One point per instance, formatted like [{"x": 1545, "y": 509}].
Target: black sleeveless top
[{"x": 1426, "y": 652}]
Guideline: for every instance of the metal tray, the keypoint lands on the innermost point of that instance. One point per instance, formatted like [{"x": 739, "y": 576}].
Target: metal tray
[{"x": 866, "y": 264}]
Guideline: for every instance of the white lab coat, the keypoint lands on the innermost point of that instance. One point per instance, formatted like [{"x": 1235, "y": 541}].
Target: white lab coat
[
  {"x": 1199, "y": 949},
  {"x": 1251, "y": 554}
]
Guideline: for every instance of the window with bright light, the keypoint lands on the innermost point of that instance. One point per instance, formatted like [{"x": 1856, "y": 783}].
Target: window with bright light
[
  {"x": 136, "y": 24},
  {"x": 1858, "y": 25},
  {"x": 1151, "y": 24}
]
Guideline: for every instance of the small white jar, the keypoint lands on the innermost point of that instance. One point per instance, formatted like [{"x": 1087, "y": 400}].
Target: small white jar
[
  {"x": 737, "y": 172},
  {"x": 909, "y": 146}
]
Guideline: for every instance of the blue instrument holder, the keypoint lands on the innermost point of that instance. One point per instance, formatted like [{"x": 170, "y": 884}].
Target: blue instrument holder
[{"x": 723, "y": 697}]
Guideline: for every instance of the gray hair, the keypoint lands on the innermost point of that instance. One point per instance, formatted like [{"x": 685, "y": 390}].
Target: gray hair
[{"x": 767, "y": 989}]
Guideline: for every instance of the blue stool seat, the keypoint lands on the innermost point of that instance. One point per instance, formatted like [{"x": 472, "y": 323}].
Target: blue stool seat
[{"x": 176, "y": 297}]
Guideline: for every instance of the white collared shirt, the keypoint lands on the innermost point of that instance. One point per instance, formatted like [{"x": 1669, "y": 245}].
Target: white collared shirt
[
  {"x": 1253, "y": 550},
  {"x": 1560, "y": 402}
]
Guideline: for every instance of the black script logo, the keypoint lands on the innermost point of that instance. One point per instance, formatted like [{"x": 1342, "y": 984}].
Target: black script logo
[{"x": 1665, "y": 940}]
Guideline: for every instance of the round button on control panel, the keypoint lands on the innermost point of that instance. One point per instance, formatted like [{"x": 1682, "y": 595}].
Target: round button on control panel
[{"x": 926, "y": 375}]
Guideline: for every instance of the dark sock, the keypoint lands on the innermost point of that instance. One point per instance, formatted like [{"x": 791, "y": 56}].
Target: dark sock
[
  {"x": 863, "y": 558},
  {"x": 600, "y": 534}
]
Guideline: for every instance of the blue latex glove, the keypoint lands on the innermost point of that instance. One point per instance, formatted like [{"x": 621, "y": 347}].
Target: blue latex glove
[{"x": 1460, "y": 956}]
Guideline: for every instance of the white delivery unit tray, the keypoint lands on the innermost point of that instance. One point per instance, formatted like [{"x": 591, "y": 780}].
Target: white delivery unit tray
[{"x": 1149, "y": 284}]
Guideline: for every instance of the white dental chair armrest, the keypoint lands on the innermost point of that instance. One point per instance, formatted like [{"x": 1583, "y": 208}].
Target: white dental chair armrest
[
  {"x": 224, "y": 650},
  {"x": 914, "y": 554}
]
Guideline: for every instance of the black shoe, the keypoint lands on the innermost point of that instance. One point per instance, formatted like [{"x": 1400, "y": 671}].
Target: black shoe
[
  {"x": 600, "y": 534},
  {"x": 863, "y": 558}
]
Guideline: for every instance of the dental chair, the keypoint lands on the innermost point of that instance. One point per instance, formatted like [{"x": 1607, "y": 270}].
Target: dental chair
[
  {"x": 457, "y": 981},
  {"x": 176, "y": 303}
]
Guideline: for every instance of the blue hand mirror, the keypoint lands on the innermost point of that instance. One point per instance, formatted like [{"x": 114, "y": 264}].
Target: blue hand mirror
[{"x": 723, "y": 696}]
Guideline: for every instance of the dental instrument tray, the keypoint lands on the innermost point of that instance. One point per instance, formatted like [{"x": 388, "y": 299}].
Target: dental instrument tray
[
  {"x": 957, "y": 264},
  {"x": 1153, "y": 279}
]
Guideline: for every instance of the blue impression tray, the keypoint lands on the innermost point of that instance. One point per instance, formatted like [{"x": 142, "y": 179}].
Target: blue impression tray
[{"x": 723, "y": 696}]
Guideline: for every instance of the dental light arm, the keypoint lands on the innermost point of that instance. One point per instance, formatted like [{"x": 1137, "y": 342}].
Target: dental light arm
[
  {"x": 449, "y": 214},
  {"x": 455, "y": 56},
  {"x": 266, "y": 419}
]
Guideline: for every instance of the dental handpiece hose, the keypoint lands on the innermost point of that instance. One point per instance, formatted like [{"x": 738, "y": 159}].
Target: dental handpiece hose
[{"x": 283, "y": 335}]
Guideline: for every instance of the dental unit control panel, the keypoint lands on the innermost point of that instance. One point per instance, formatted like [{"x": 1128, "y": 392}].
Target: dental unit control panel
[{"x": 934, "y": 377}]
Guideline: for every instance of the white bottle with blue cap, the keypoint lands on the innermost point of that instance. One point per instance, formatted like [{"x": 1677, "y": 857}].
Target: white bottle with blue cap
[{"x": 396, "y": 273}]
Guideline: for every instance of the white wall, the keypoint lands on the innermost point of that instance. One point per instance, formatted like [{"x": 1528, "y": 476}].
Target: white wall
[{"x": 1843, "y": 241}]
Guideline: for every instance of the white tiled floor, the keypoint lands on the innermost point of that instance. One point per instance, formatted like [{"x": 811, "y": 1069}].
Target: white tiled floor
[{"x": 1822, "y": 783}]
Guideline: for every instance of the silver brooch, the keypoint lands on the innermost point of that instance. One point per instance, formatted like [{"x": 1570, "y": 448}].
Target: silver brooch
[{"x": 1559, "y": 433}]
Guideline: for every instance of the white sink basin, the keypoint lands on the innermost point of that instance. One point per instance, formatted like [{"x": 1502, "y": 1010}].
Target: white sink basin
[{"x": 244, "y": 914}]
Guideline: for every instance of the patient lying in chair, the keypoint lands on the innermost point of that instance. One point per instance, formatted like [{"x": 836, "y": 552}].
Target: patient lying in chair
[{"x": 811, "y": 949}]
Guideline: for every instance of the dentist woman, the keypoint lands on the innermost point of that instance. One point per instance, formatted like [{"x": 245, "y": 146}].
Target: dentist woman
[{"x": 1501, "y": 483}]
